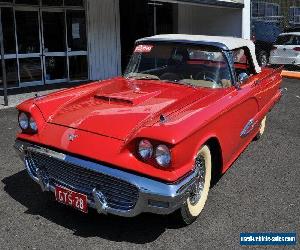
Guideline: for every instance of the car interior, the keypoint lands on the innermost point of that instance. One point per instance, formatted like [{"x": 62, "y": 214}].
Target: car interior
[
  {"x": 198, "y": 66},
  {"x": 183, "y": 67}
]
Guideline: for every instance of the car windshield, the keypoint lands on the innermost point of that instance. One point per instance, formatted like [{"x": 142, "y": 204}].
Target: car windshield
[
  {"x": 197, "y": 66},
  {"x": 288, "y": 40}
]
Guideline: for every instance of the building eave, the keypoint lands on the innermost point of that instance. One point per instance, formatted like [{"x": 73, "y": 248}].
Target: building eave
[{"x": 216, "y": 3}]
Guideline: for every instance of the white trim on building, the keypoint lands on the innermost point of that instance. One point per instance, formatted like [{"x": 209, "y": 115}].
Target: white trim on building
[{"x": 103, "y": 39}]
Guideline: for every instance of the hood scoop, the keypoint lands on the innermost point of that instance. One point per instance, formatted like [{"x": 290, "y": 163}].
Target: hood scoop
[{"x": 131, "y": 97}]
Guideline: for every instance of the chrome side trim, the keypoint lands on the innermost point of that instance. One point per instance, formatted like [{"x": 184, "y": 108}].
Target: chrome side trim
[
  {"x": 175, "y": 195},
  {"x": 248, "y": 128}
]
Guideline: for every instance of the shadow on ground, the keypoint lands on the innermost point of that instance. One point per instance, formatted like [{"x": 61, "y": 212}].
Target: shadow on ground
[{"x": 141, "y": 229}]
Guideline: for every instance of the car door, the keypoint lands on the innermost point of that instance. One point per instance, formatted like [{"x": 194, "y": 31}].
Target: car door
[{"x": 244, "y": 107}]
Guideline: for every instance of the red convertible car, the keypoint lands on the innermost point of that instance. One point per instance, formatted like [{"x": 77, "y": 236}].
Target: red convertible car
[{"x": 154, "y": 139}]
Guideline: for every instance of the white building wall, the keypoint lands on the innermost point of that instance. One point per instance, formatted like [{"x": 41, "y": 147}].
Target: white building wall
[
  {"x": 103, "y": 39},
  {"x": 210, "y": 20},
  {"x": 247, "y": 19}
]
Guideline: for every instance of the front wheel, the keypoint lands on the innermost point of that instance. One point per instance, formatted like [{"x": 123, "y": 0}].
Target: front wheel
[
  {"x": 263, "y": 58},
  {"x": 194, "y": 204},
  {"x": 261, "y": 128}
]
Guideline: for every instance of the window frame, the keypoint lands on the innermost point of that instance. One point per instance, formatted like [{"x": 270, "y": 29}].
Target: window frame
[{"x": 251, "y": 67}]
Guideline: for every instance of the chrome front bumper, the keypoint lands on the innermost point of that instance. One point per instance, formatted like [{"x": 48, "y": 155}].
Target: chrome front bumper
[{"x": 153, "y": 196}]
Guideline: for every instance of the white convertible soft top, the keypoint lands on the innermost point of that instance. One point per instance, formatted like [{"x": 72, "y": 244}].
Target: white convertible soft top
[{"x": 224, "y": 42}]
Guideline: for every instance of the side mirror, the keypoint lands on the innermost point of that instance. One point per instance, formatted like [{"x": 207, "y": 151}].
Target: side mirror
[{"x": 242, "y": 77}]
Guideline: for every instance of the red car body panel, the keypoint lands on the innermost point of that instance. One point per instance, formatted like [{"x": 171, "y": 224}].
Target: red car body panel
[{"x": 110, "y": 117}]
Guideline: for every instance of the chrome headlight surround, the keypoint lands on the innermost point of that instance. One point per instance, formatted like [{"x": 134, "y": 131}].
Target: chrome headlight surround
[
  {"x": 163, "y": 155},
  {"x": 145, "y": 149},
  {"x": 32, "y": 124},
  {"x": 27, "y": 123},
  {"x": 23, "y": 121}
]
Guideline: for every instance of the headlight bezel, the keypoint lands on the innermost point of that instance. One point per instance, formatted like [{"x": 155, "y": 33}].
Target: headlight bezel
[{"x": 32, "y": 127}]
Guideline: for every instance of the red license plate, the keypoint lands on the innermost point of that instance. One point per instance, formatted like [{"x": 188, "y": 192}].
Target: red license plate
[{"x": 71, "y": 198}]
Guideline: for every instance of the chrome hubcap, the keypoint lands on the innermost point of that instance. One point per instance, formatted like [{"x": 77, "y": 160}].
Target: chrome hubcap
[
  {"x": 198, "y": 187},
  {"x": 264, "y": 61}
]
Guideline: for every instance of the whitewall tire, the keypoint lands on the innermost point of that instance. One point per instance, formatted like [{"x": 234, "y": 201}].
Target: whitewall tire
[
  {"x": 195, "y": 203},
  {"x": 262, "y": 128}
]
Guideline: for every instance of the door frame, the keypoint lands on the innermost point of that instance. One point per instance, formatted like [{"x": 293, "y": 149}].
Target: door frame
[
  {"x": 29, "y": 55},
  {"x": 54, "y": 54},
  {"x": 67, "y": 53}
]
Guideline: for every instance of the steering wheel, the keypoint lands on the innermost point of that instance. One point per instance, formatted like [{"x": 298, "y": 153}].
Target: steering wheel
[{"x": 207, "y": 76}]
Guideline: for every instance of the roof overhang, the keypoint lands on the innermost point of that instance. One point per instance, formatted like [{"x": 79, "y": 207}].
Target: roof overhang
[{"x": 239, "y": 4}]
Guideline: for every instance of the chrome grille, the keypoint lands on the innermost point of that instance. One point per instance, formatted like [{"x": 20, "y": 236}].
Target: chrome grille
[{"x": 119, "y": 194}]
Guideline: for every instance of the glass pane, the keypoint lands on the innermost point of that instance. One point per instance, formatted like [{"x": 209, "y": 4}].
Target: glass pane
[
  {"x": 52, "y": 2},
  {"x": 31, "y": 2},
  {"x": 1, "y": 80},
  {"x": 8, "y": 30},
  {"x": 54, "y": 34},
  {"x": 55, "y": 68},
  {"x": 78, "y": 68},
  {"x": 74, "y": 2},
  {"x": 30, "y": 69},
  {"x": 180, "y": 63},
  {"x": 76, "y": 30},
  {"x": 28, "y": 32},
  {"x": 11, "y": 73}
]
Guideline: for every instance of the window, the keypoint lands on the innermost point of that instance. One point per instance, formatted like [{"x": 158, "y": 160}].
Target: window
[
  {"x": 288, "y": 40},
  {"x": 11, "y": 73},
  {"x": 272, "y": 10},
  {"x": 76, "y": 28},
  {"x": 78, "y": 68},
  {"x": 285, "y": 40},
  {"x": 258, "y": 9},
  {"x": 264, "y": 9},
  {"x": 28, "y": 42},
  {"x": 8, "y": 30},
  {"x": 74, "y": 3},
  {"x": 31, "y": 2},
  {"x": 294, "y": 15},
  {"x": 52, "y": 2},
  {"x": 296, "y": 40},
  {"x": 30, "y": 69},
  {"x": 197, "y": 66},
  {"x": 242, "y": 62}
]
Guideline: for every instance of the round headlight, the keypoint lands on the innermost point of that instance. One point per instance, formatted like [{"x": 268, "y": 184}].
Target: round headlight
[
  {"x": 163, "y": 155},
  {"x": 32, "y": 124},
  {"x": 23, "y": 121},
  {"x": 145, "y": 149}
]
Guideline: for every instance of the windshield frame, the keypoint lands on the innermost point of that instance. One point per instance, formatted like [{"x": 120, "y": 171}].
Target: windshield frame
[{"x": 227, "y": 54}]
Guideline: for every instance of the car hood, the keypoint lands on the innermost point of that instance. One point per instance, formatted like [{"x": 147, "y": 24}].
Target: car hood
[{"x": 118, "y": 107}]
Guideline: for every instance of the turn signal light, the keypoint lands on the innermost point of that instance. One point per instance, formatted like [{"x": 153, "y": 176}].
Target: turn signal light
[{"x": 296, "y": 49}]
